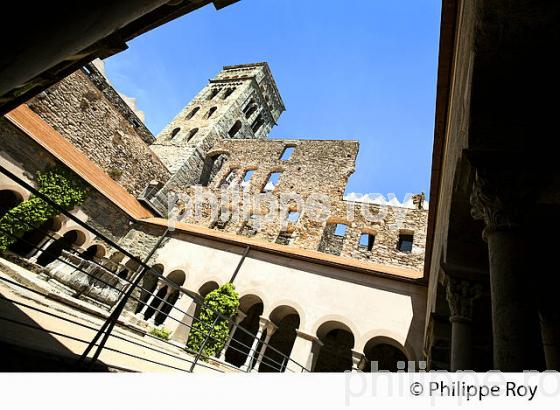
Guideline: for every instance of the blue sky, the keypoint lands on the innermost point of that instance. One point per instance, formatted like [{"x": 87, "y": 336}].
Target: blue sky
[{"x": 365, "y": 70}]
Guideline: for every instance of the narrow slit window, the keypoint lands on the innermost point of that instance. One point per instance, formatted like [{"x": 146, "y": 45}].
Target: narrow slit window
[
  {"x": 405, "y": 243},
  {"x": 287, "y": 153},
  {"x": 366, "y": 241},
  {"x": 272, "y": 182}
]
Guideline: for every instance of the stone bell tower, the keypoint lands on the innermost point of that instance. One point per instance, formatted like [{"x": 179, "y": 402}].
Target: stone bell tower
[{"x": 242, "y": 101}]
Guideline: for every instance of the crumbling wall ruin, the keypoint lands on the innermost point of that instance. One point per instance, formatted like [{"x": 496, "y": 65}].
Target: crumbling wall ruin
[{"x": 310, "y": 188}]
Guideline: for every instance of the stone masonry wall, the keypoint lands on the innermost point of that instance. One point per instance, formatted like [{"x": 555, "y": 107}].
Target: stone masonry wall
[
  {"x": 101, "y": 129},
  {"x": 27, "y": 155},
  {"x": 316, "y": 169}
]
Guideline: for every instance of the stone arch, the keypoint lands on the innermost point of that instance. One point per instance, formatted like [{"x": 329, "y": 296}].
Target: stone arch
[
  {"x": 29, "y": 243},
  {"x": 192, "y": 133},
  {"x": 252, "y": 305},
  {"x": 207, "y": 287},
  {"x": 9, "y": 199},
  {"x": 337, "y": 341},
  {"x": 174, "y": 132},
  {"x": 296, "y": 307},
  {"x": 287, "y": 320},
  {"x": 96, "y": 250},
  {"x": 249, "y": 297},
  {"x": 212, "y": 165},
  {"x": 178, "y": 277},
  {"x": 386, "y": 351},
  {"x": 235, "y": 128},
  {"x": 149, "y": 285},
  {"x": 344, "y": 321},
  {"x": 82, "y": 236},
  {"x": 196, "y": 286},
  {"x": 210, "y": 112},
  {"x": 192, "y": 113},
  {"x": 71, "y": 238}
]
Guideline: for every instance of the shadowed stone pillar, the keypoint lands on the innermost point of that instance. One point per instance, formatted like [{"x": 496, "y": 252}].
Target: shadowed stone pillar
[
  {"x": 160, "y": 305},
  {"x": 514, "y": 316},
  {"x": 302, "y": 353},
  {"x": 461, "y": 295},
  {"x": 263, "y": 323},
  {"x": 239, "y": 317},
  {"x": 178, "y": 322},
  {"x": 270, "y": 329},
  {"x": 358, "y": 361}
]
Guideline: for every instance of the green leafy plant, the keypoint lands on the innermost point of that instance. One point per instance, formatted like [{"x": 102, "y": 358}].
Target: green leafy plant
[
  {"x": 60, "y": 185},
  {"x": 224, "y": 300},
  {"x": 160, "y": 333}
]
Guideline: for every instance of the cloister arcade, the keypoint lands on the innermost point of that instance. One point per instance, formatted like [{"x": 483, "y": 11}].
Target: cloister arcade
[{"x": 264, "y": 333}]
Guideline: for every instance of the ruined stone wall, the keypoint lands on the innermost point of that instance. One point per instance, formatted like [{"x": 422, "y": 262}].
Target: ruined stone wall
[
  {"x": 98, "y": 124},
  {"x": 312, "y": 183}
]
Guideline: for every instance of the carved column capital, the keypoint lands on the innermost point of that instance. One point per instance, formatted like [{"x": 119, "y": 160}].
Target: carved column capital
[
  {"x": 494, "y": 203},
  {"x": 461, "y": 295}
]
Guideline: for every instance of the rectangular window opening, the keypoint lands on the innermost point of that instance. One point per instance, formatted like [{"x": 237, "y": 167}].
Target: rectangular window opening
[
  {"x": 293, "y": 216},
  {"x": 366, "y": 241},
  {"x": 287, "y": 153},
  {"x": 340, "y": 230},
  {"x": 405, "y": 242},
  {"x": 272, "y": 182}
]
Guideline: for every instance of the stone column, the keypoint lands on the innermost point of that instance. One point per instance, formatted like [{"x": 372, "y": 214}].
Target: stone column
[
  {"x": 461, "y": 295},
  {"x": 239, "y": 317},
  {"x": 358, "y": 361},
  {"x": 140, "y": 315},
  {"x": 34, "y": 254},
  {"x": 251, "y": 354},
  {"x": 514, "y": 315},
  {"x": 270, "y": 329},
  {"x": 178, "y": 322},
  {"x": 303, "y": 353},
  {"x": 159, "y": 306}
]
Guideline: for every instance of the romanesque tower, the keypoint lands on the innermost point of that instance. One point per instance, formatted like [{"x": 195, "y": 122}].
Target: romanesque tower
[{"x": 241, "y": 102}]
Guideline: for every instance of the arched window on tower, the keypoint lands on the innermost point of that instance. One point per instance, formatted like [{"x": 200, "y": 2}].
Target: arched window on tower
[
  {"x": 235, "y": 129},
  {"x": 175, "y": 132},
  {"x": 251, "y": 111},
  {"x": 258, "y": 123},
  {"x": 228, "y": 92},
  {"x": 213, "y": 92},
  {"x": 192, "y": 113},
  {"x": 211, "y": 112},
  {"x": 192, "y": 133}
]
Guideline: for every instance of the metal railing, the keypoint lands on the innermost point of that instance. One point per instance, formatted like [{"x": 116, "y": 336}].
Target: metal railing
[{"x": 132, "y": 289}]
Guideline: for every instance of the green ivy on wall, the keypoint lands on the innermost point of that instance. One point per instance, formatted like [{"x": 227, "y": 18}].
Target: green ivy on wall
[
  {"x": 60, "y": 185},
  {"x": 224, "y": 300}
]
